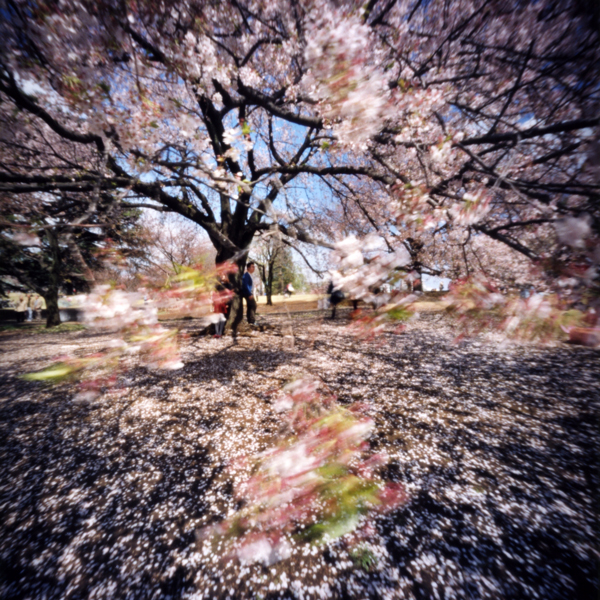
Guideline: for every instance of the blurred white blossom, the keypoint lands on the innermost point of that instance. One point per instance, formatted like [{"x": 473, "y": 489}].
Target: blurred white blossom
[{"x": 573, "y": 231}]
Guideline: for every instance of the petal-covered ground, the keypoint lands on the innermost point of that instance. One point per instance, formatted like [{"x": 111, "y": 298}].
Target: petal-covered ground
[{"x": 496, "y": 445}]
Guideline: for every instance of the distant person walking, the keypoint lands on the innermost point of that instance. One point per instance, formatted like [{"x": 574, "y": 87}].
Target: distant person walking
[
  {"x": 21, "y": 308},
  {"x": 29, "y": 308},
  {"x": 248, "y": 293},
  {"x": 37, "y": 307},
  {"x": 335, "y": 297}
]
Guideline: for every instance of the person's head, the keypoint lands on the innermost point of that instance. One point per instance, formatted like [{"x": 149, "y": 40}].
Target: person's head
[{"x": 250, "y": 267}]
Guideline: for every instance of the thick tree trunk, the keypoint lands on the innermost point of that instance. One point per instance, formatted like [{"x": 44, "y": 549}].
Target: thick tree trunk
[
  {"x": 243, "y": 239},
  {"x": 236, "y": 309},
  {"x": 266, "y": 280},
  {"x": 236, "y": 314},
  {"x": 418, "y": 287},
  {"x": 52, "y": 311}
]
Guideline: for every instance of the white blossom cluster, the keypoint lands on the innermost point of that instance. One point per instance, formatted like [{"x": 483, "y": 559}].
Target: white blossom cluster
[
  {"x": 363, "y": 267},
  {"x": 114, "y": 309},
  {"x": 472, "y": 209},
  {"x": 353, "y": 92},
  {"x": 134, "y": 321}
]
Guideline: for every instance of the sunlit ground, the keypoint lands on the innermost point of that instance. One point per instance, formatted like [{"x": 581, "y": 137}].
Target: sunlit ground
[
  {"x": 309, "y": 302},
  {"x": 496, "y": 445},
  {"x": 293, "y": 299}
]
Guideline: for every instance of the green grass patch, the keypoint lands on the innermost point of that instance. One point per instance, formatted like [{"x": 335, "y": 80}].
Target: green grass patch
[
  {"x": 364, "y": 558},
  {"x": 62, "y": 328},
  {"x": 31, "y": 328}
]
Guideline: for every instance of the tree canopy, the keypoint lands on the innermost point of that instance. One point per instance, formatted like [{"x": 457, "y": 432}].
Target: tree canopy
[{"x": 319, "y": 119}]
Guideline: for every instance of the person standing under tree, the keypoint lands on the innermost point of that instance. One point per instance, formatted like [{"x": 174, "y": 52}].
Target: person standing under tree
[
  {"x": 221, "y": 304},
  {"x": 248, "y": 293}
]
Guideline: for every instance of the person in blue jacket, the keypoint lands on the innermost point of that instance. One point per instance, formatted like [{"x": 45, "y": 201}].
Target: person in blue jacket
[{"x": 248, "y": 293}]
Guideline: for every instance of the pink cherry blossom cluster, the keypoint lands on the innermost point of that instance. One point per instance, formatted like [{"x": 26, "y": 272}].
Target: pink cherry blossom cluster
[
  {"x": 366, "y": 273},
  {"x": 346, "y": 78},
  {"x": 135, "y": 331},
  {"x": 132, "y": 319},
  {"x": 351, "y": 91},
  {"x": 317, "y": 483},
  {"x": 472, "y": 209},
  {"x": 479, "y": 306},
  {"x": 363, "y": 267},
  {"x": 413, "y": 206}
]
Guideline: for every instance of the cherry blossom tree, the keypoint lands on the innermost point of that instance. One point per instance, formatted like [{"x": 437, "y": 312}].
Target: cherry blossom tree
[
  {"x": 399, "y": 133},
  {"x": 249, "y": 116}
]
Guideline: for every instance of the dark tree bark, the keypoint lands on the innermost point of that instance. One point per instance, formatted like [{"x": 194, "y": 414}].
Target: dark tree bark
[
  {"x": 51, "y": 294},
  {"x": 269, "y": 284},
  {"x": 236, "y": 310},
  {"x": 52, "y": 311},
  {"x": 266, "y": 276}
]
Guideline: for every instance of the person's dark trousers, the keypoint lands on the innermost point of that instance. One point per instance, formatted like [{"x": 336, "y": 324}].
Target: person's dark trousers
[{"x": 251, "y": 310}]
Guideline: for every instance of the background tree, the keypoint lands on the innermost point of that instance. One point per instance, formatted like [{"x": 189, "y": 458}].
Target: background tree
[
  {"x": 276, "y": 266},
  {"x": 267, "y": 253},
  {"x": 53, "y": 242},
  {"x": 290, "y": 274},
  {"x": 169, "y": 243}
]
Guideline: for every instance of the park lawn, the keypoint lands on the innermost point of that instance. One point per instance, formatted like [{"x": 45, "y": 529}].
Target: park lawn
[
  {"x": 281, "y": 305},
  {"x": 309, "y": 302},
  {"x": 38, "y": 327},
  {"x": 294, "y": 303}
]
